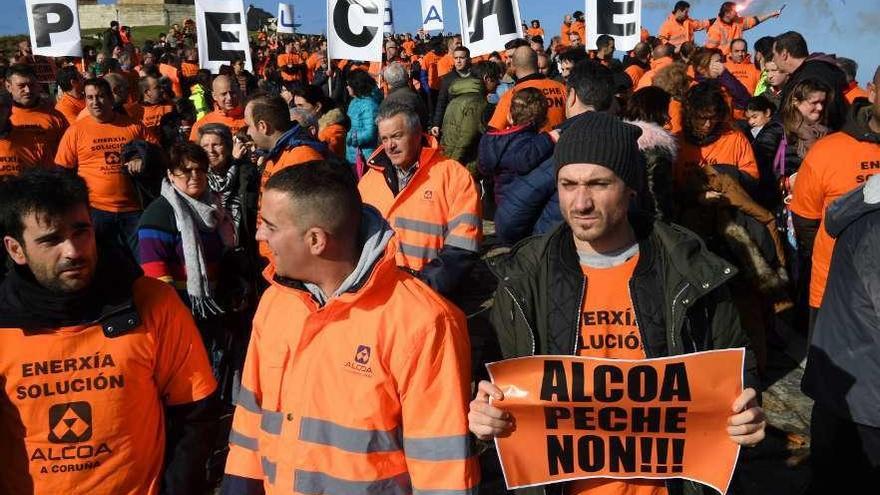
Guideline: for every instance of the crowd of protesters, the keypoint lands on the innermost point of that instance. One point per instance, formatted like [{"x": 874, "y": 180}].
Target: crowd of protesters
[{"x": 264, "y": 280}]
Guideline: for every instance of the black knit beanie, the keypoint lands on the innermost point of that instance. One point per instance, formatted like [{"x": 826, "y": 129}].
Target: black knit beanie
[{"x": 602, "y": 139}]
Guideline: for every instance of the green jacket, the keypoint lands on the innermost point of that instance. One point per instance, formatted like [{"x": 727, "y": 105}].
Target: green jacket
[
  {"x": 678, "y": 290},
  {"x": 200, "y": 101},
  {"x": 462, "y": 122}
]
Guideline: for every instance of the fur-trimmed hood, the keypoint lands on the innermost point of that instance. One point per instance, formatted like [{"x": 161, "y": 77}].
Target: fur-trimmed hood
[
  {"x": 333, "y": 116},
  {"x": 654, "y": 136}
]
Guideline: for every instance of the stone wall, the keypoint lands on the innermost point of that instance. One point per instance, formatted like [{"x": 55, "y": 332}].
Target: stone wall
[{"x": 99, "y": 16}]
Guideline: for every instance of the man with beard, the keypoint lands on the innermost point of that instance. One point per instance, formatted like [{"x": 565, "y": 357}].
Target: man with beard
[
  {"x": 96, "y": 360},
  {"x": 605, "y": 257},
  {"x": 31, "y": 115}
]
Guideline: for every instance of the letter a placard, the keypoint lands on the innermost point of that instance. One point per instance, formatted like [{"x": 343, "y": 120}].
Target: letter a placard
[
  {"x": 285, "y": 18},
  {"x": 354, "y": 29},
  {"x": 622, "y": 19},
  {"x": 221, "y": 26},
  {"x": 579, "y": 418},
  {"x": 54, "y": 28},
  {"x": 486, "y": 25},
  {"x": 432, "y": 15}
]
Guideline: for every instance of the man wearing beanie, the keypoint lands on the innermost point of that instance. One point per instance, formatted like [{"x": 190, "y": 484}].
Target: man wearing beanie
[{"x": 606, "y": 258}]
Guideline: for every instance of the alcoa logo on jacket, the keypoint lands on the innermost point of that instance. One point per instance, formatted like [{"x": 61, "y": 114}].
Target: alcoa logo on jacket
[{"x": 361, "y": 363}]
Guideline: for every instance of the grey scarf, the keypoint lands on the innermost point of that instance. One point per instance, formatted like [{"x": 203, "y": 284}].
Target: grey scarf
[{"x": 192, "y": 215}]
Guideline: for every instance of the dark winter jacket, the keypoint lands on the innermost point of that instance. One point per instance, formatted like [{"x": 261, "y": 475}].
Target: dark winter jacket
[
  {"x": 444, "y": 97},
  {"x": 504, "y": 155},
  {"x": 527, "y": 198},
  {"x": 407, "y": 96},
  {"x": 659, "y": 150},
  {"x": 147, "y": 183},
  {"x": 462, "y": 123},
  {"x": 766, "y": 145},
  {"x": 824, "y": 68},
  {"x": 679, "y": 293},
  {"x": 843, "y": 364}
]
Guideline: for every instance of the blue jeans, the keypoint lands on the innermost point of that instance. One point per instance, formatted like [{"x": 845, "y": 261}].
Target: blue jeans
[{"x": 119, "y": 229}]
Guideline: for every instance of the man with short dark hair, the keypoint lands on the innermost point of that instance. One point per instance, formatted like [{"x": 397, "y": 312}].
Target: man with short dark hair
[
  {"x": 341, "y": 328},
  {"x": 16, "y": 151},
  {"x": 431, "y": 201},
  {"x": 31, "y": 115},
  {"x": 729, "y": 26},
  {"x": 129, "y": 393},
  {"x": 604, "y": 52},
  {"x": 567, "y": 60},
  {"x": 606, "y": 257},
  {"x": 792, "y": 57},
  {"x": 93, "y": 148},
  {"x": 639, "y": 63},
  {"x": 72, "y": 100},
  {"x": 111, "y": 39},
  {"x": 461, "y": 58},
  {"x": 153, "y": 103},
  {"x": 679, "y": 28},
  {"x": 740, "y": 65}
]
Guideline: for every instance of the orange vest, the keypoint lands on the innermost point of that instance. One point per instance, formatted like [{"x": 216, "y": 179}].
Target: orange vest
[
  {"x": 86, "y": 411},
  {"x": 834, "y": 166},
  {"x": 439, "y": 207},
  {"x": 346, "y": 398},
  {"x": 720, "y": 35},
  {"x": 676, "y": 34}
]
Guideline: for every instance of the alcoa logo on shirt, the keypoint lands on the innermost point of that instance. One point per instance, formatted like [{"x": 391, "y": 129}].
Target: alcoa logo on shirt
[{"x": 361, "y": 363}]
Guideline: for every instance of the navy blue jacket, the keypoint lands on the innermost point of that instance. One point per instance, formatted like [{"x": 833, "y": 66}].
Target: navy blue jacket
[{"x": 505, "y": 155}]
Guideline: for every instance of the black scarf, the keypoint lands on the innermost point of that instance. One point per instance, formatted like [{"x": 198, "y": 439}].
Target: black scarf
[{"x": 24, "y": 303}]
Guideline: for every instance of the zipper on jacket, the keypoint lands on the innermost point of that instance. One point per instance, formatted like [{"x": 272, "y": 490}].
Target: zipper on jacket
[
  {"x": 523, "y": 314},
  {"x": 577, "y": 320},
  {"x": 638, "y": 318},
  {"x": 674, "y": 300}
]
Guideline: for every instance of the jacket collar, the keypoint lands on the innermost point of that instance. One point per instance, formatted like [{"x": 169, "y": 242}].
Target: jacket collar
[
  {"x": 856, "y": 125},
  {"x": 295, "y": 136}
]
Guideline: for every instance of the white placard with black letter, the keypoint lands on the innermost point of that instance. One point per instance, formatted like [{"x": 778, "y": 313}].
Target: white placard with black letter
[
  {"x": 354, "y": 29},
  {"x": 432, "y": 15},
  {"x": 221, "y": 26},
  {"x": 285, "y": 18},
  {"x": 622, "y": 19},
  {"x": 487, "y": 26},
  {"x": 54, "y": 27}
]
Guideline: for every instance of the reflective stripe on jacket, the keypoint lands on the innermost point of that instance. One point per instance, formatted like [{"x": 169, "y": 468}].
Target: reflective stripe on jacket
[
  {"x": 439, "y": 207},
  {"x": 365, "y": 395}
]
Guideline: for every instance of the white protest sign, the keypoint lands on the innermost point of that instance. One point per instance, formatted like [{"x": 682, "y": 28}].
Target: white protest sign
[
  {"x": 487, "y": 26},
  {"x": 432, "y": 15},
  {"x": 285, "y": 18},
  {"x": 354, "y": 29},
  {"x": 54, "y": 28},
  {"x": 221, "y": 26},
  {"x": 388, "y": 18},
  {"x": 621, "y": 19}
]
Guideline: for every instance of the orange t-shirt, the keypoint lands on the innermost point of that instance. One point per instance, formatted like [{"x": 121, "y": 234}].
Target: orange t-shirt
[
  {"x": 635, "y": 73},
  {"x": 17, "y": 154},
  {"x": 86, "y": 411},
  {"x": 553, "y": 91},
  {"x": 234, "y": 120},
  {"x": 151, "y": 116},
  {"x": 289, "y": 58},
  {"x": 173, "y": 75},
  {"x": 745, "y": 72},
  {"x": 408, "y": 47},
  {"x": 835, "y": 165},
  {"x": 608, "y": 329},
  {"x": 70, "y": 107},
  {"x": 43, "y": 125},
  {"x": 732, "y": 148},
  {"x": 445, "y": 65},
  {"x": 429, "y": 65},
  {"x": 532, "y": 32},
  {"x": 676, "y": 112},
  {"x": 94, "y": 150},
  {"x": 853, "y": 92}
]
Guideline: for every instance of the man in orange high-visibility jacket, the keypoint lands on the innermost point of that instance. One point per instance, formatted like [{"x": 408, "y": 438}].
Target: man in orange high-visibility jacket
[
  {"x": 97, "y": 362},
  {"x": 679, "y": 28},
  {"x": 357, "y": 375},
  {"x": 430, "y": 200},
  {"x": 285, "y": 143},
  {"x": 730, "y": 26}
]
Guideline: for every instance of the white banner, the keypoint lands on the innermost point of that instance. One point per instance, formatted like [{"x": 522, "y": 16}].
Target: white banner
[
  {"x": 221, "y": 26},
  {"x": 354, "y": 29},
  {"x": 285, "y": 18},
  {"x": 432, "y": 15},
  {"x": 388, "y": 19},
  {"x": 54, "y": 28},
  {"x": 487, "y": 26},
  {"x": 622, "y": 19}
]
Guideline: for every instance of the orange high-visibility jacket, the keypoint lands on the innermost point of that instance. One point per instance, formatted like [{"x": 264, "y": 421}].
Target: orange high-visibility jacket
[
  {"x": 676, "y": 34},
  {"x": 367, "y": 394},
  {"x": 439, "y": 207},
  {"x": 720, "y": 35}
]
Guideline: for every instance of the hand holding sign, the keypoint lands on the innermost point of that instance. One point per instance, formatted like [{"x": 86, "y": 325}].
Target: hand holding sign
[{"x": 589, "y": 418}]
